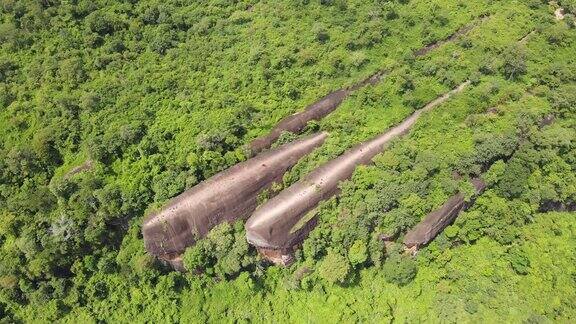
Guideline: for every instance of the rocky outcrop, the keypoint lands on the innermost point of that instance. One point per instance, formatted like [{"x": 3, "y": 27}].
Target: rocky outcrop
[
  {"x": 86, "y": 166},
  {"x": 327, "y": 104},
  {"x": 226, "y": 197},
  {"x": 282, "y": 222},
  {"x": 318, "y": 110},
  {"x": 435, "y": 222}
]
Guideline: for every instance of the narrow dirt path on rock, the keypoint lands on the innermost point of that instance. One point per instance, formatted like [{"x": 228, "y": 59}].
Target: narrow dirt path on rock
[
  {"x": 87, "y": 165},
  {"x": 524, "y": 39}
]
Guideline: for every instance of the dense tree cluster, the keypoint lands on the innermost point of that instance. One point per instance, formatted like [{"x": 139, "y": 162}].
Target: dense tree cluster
[
  {"x": 108, "y": 109},
  {"x": 224, "y": 252}
]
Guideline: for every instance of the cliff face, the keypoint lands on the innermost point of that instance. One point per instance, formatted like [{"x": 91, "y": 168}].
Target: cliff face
[{"x": 227, "y": 196}]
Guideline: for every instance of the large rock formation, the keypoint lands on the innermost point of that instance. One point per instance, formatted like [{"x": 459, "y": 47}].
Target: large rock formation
[
  {"x": 327, "y": 104},
  {"x": 438, "y": 220},
  {"x": 282, "y": 222},
  {"x": 318, "y": 110},
  {"x": 229, "y": 195}
]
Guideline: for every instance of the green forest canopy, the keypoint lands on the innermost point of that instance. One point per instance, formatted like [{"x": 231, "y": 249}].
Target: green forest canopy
[{"x": 109, "y": 108}]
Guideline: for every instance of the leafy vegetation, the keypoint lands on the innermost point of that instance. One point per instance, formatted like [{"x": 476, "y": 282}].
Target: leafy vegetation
[{"x": 109, "y": 108}]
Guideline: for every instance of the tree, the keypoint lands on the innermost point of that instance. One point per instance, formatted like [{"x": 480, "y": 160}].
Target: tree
[
  {"x": 514, "y": 62},
  {"x": 223, "y": 252},
  {"x": 358, "y": 253},
  {"x": 496, "y": 171},
  {"x": 519, "y": 261},
  {"x": 168, "y": 184},
  {"x": 7, "y": 69},
  {"x": 197, "y": 257},
  {"x": 44, "y": 145},
  {"x": 515, "y": 178},
  {"x": 101, "y": 23},
  {"x": 399, "y": 269},
  {"x": 334, "y": 268},
  {"x": 164, "y": 39},
  {"x": 564, "y": 100},
  {"x": 321, "y": 33}
]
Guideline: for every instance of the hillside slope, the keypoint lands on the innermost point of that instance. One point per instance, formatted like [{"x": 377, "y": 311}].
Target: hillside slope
[{"x": 110, "y": 108}]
